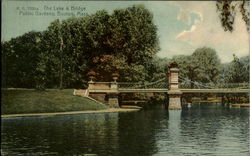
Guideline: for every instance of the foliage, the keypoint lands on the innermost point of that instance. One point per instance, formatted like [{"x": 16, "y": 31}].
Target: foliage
[
  {"x": 183, "y": 62},
  {"x": 245, "y": 61},
  {"x": 40, "y": 71},
  {"x": 237, "y": 71},
  {"x": 129, "y": 41},
  {"x": 205, "y": 63},
  {"x": 62, "y": 55},
  {"x": 20, "y": 58},
  {"x": 106, "y": 65},
  {"x": 228, "y": 10},
  {"x": 202, "y": 66},
  {"x": 133, "y": 34}
]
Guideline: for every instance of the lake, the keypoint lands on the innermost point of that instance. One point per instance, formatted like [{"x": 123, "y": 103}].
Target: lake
[{"x": 153, "y": 132}]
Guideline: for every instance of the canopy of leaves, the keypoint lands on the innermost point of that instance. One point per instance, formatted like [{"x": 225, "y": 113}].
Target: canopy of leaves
[
  {"x": 202, "y": 66},
  {"x": 123, "y": 42},
  {"x": 205, "y": 63},
  {"x": 237, "y": 71},
  {"x": 19, "y": 58}
]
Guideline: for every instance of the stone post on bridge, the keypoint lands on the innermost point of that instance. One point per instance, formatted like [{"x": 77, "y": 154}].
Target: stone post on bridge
[
  {"x": 113, "y": 94},
  {"x": 174, "y": 94},
  {"x": 105, "y": 92}
]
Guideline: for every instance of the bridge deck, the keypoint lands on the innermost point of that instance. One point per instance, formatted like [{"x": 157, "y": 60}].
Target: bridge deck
[
  {"x": 167, "y": 90},
  {"x": 143, "y": 90},
  {"x": 233, "y": 90}
]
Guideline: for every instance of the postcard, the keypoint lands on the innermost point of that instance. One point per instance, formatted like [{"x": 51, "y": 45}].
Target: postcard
[{"x": 104, "y": 78}]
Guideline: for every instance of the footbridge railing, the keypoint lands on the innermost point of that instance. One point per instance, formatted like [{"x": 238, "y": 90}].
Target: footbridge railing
[
  {"x": 186, "y": 83},
  {"x": 159, "y": 84}
]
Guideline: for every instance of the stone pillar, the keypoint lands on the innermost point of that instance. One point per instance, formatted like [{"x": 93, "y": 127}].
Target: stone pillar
[
  {"x": 174, "y": 102},
  {"x": 173, "y": 74},
  {"x": 95, "y": 95},
  {"x": 113, "y": 100},
  {"x": 91, "y": 85},
  {"x": 113, "y": 95},
  {"x": 174, "y": 94}
]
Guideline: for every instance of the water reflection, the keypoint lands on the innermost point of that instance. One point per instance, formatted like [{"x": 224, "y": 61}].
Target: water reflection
[
  {"x": 205, "y": 132},
  {"x": 60, "y": 135},
  {"x": 148, "y": 132},
  {"x": 137, "y": 132}
]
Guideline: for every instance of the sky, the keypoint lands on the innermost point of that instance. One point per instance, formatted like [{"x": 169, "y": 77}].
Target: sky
[{"x": 182, "y": 26}]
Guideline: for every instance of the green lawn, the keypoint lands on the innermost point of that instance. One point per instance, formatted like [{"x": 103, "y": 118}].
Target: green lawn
[{"x": 15, "y": 101}]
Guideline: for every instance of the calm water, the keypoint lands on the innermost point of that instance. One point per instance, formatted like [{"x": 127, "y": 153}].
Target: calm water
[{"x": 203, "y": 131}]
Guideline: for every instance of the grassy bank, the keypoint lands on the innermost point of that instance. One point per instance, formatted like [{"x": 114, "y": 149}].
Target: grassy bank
[{"x": 16, "y": 101}]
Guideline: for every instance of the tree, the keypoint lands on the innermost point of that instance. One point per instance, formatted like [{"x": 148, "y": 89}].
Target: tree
[
  {"x": 245, "y": 61},
  {"x": 227, "y": 11},
  {"x": 183, "y": 62},
  {"x": 20, "y": 60},
  {"x": 53, "y": 48},
  {"x": 157, "y": 68},
  {"x": 202, "y": 66},
  {"x": 236, "y": 71},
  {"x": 127, "y": 33},
  {"x": 102, "y": 41},
  {"x": 51, "y": 54},
  {"x": 133, "y": 34},
  {"x": 76, "y": 52},
  {"x": 109, "y": 64},
  {"x": 205, "y": 63}
]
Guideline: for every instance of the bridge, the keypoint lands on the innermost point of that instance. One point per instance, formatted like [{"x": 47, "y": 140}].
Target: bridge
[
  {"x": 107, "y": 92},
  {"x": 161, "y": 90}
]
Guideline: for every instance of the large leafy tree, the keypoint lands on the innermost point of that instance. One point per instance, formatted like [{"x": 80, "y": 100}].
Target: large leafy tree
[
  {"x": 133, "y": 34},
  {"x": 202, "y": 66},
  {"x": 20, "y": 59},
  {"x": 53, "y": 54},
  {"x": 205, "y": 64},
  {"x": 127, "y": 33},
  {"x": 75, "y": 50},
  {"x": 245, "y": 61},
  {"x": 237, "y": 71}
]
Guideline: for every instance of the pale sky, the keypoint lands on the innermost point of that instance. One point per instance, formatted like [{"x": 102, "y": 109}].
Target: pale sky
[{"x": 182, "y": 26}]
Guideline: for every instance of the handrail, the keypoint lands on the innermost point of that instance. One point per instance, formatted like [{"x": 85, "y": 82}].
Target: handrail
[
  {"x": 94, "y": 82},
  {"x": 128, "y": 83}
]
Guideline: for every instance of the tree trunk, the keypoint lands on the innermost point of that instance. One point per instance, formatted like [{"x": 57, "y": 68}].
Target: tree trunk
[{"x": 61, "y": 65}]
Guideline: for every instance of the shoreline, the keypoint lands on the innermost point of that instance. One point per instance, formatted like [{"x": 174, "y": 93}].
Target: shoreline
[{"x": 110, "y": 110}]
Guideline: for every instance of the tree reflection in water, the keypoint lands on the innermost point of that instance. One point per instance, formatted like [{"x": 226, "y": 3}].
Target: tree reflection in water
[{"x": 147, "y": 132}]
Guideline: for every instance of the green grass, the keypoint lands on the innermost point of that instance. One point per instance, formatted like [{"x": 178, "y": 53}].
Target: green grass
[{"x": 15, "y": 101}]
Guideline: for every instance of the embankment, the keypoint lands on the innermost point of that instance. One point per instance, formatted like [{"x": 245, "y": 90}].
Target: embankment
[{"x": 23, "y": 101}]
